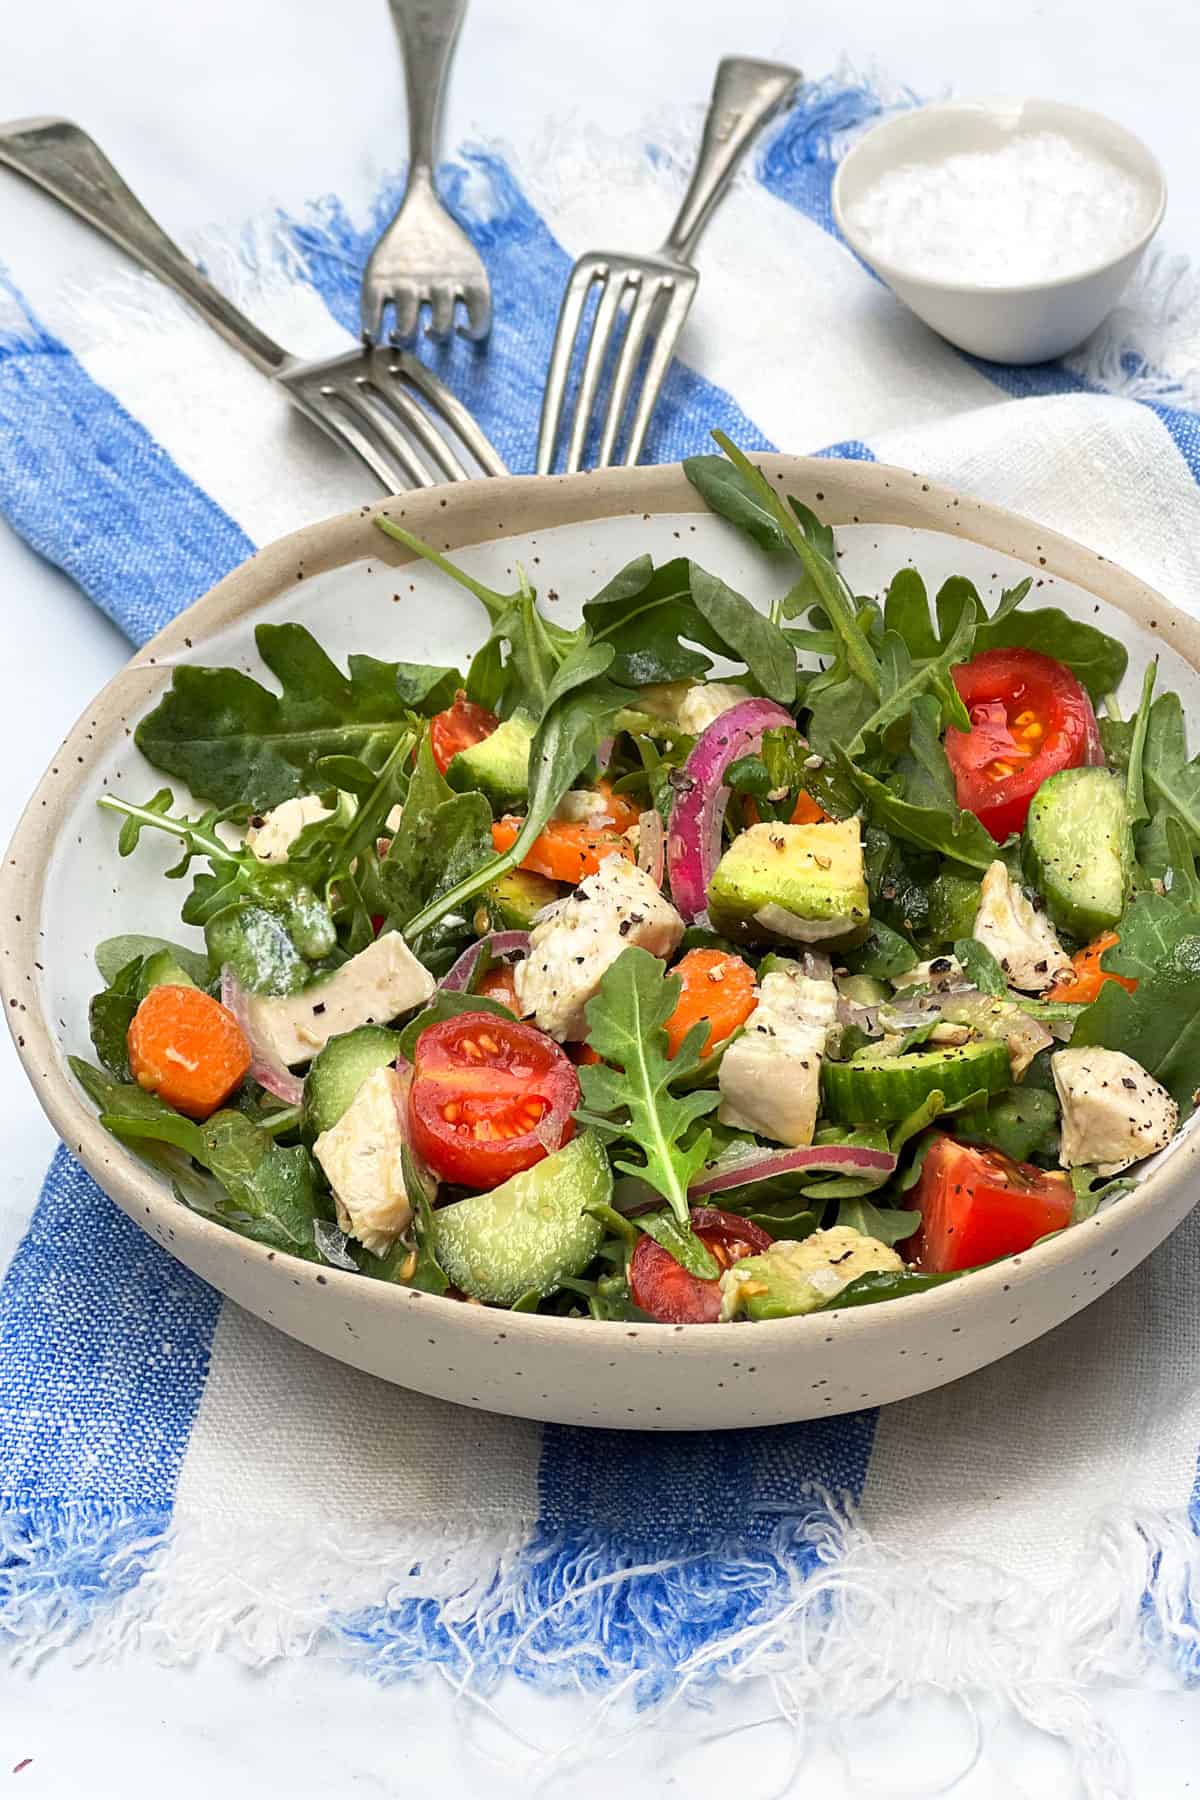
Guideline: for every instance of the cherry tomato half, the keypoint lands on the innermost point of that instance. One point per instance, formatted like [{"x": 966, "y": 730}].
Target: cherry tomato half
[
  {"x": 665, "y": 1290},
  {"x": 1029, "y": 719},
  {"x": 460, "y": 726},
  {"x": 489, "y": 1098},
  {"x": 977, "y": 1205}
]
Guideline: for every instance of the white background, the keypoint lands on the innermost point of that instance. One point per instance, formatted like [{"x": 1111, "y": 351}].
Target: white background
[{"x": 215, "y": 111}]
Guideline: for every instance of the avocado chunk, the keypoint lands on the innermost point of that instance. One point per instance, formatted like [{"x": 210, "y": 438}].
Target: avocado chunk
[
  {"x": 794, "y": 1278},
  {"x": 1079, "y": 849},
  {"x": 514, "y": 900},
  {"x": 497, "y": 767},
  {"x": 337, "y": 1073},
  {"x": 799, "y": 884},
  {"x": 530, "y": 1232},
  {"x": 161, "y": 970}
]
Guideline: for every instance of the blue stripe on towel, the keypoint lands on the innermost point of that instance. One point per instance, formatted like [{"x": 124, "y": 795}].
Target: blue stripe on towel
[
  {"x": 89, "y": 489},
  {"x": 104, "y": 1345}
]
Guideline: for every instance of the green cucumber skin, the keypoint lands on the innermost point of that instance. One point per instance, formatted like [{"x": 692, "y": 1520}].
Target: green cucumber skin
[
  {"x": 529, "y": 1233},
  {"x": 337, "y": 1073},
  {"x": 1079, "y": 850},
  {"x": 886, "y": 1089}
]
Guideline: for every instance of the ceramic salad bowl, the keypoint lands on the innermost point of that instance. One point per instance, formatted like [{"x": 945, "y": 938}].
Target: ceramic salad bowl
[{"x": 63, "y": 889}]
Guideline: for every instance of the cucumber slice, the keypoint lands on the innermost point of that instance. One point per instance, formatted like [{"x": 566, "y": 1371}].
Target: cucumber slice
[
  {"x": 162, "y": 970},
  {"x": 338, "y": 1072},
  {"x": 1079, "y": 849},
  {"x": 875, "y": 1090},
  {"x": 531, "y": 1231}
]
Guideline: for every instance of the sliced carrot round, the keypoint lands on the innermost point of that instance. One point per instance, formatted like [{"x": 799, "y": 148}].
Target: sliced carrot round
[
  {"x": 565, "y": 851},
  {"x": 718, "y": 988},
  {"x": 1087, "y": 977},
  {"x": 805, "y": 812},
  {"x": 188, "y": 1049}
]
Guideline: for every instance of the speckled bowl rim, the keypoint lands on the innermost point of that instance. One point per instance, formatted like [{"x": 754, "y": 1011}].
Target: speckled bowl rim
[{"x": 847, "y": 493}]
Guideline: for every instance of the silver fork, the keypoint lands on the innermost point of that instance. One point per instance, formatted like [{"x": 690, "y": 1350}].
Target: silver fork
[
  {"x": 654, "y": 293},
  {"x": 387, "y": 407},
  {"x": 423, "y": 258}
]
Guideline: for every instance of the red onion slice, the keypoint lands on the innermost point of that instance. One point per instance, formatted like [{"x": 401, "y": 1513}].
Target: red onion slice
[
  {"x": 817, "y": 1158},
  {"x": 458, "y": 979},
  {"x": 694, "y": 834},
  {"x": 652, "y": 843},
  {"x": 265, "y": 1067}
]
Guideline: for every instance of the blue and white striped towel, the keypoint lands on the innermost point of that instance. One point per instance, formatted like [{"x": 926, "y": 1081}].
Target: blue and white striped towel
[{"x": 174, "y": 1472}]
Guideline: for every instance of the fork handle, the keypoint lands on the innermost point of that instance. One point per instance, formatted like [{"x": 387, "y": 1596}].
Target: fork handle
[
  {"x": 428, "y": 31},
  {"x": 745, "y": 94},
  {"x": 71, "y": 167}
]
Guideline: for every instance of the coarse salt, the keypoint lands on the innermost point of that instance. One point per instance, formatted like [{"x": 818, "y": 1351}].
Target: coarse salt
[{"x": 1037, "y": 209}]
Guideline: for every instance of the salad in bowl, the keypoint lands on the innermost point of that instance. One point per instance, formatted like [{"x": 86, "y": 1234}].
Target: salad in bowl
[{"x": 697, "y": 964}]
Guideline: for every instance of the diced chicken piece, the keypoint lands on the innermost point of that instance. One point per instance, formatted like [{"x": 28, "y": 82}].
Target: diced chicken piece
[
  {"x": 706, "y": 702},
  {"x": 770, "y": 1077},
  {"x": 1113, "y": 1111},
  {"x": 938, "y": 972},
  {"x": 583, "y": 806},
  {"x": 271, "y": 835},
  {"x": 374, "y": 987},
  {"x": 1022, "y": 939},
  {"x": 571, "y": 946},
  {"x": 361, "y": 1159}
]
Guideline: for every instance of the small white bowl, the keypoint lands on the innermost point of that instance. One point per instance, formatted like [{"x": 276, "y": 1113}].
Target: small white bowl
[{"x": 1025, "y": 323}]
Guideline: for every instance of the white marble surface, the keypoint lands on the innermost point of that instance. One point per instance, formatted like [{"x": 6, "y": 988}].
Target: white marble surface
[{"x": 218, "y": 110}]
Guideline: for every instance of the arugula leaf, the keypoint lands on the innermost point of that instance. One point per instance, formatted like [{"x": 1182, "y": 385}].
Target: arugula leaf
[
  {"x": 444, "y": 838},
  {"x": 726, "y": 490},
  {"x": 1179, "y": 875},
  {"x": 885, "y": 1224},
  {"x": 646, "y": 614},
  {"x": 421, "y": 1189},
  {"x": 960, "y": 837},
  {"x": 235, "y": 742},
  {"x": 634, "y": 1100},
  {"x": 981, "y": 967},
  {"x": 266, "y": 1192},
  {"x": 1022, "y": 1122},
  {"x": 1092, "y": 1189},
  {"x": 1172, "y": 783},
  {"x": 906, "y": 612},
  {"x": 838, "y": 709},
  {"x": 923, "y": 771},
  {"x": 812, "y": 542},
  {"x": 888, "y": 1284},
  {"x": 116, "y": 953},
  {"x": 1098, "y": 660},
  {"x": 1159, "y": 1023},
  {"x": 681, "y": 1242},
  {"x": 582, "y": 707},
  {"x": 1135, "y": 783},
  {"x": 911, "y": 682},
  {"x": 883, "y": 953},
  {"x": 746, "y": 634},
  {"x": 110, "y": 1014}
]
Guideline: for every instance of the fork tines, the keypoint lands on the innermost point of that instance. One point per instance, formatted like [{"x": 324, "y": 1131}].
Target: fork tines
[
  {"x": 641, "y": 305},
  {"x": 402, "y": 420}
]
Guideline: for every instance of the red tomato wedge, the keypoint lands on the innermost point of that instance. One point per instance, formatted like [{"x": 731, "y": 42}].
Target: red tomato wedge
[
  {"x": 665, "y": 1290},
  {"x": 489, "y": 1098},
  {"x": 977, "y": 1205},
  {"x": 460, "y": 726},
  {"x": 1029, "y": 719}
]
